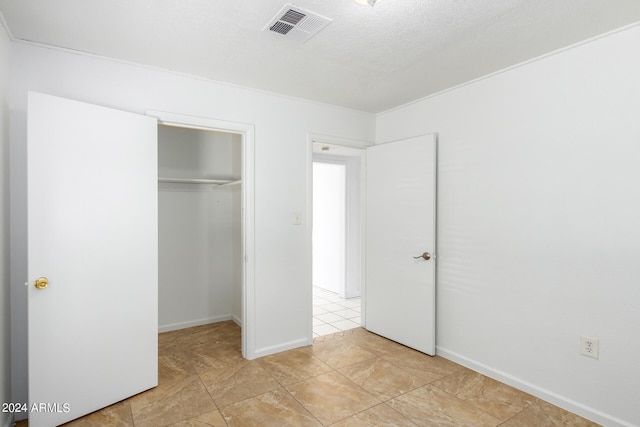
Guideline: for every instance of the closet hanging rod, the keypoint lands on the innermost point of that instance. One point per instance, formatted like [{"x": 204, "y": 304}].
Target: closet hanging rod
[
  {"x": 228, "y": 184},
  {"x": 194, "y": 181}
]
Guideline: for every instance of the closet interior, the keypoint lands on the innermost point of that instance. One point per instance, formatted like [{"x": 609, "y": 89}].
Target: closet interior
[{"x": 199, "y": 227}]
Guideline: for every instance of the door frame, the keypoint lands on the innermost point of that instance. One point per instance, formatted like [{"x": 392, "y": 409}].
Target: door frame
[
  {"x": 337, "y": 142},
  {"x": 247, "y": 134}
]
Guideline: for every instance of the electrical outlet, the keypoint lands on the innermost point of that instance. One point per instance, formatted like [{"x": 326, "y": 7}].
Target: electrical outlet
[{"x": 589, "y": 347}]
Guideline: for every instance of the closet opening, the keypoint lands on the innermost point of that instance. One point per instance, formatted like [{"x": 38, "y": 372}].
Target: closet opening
[
  {"x": 199, "y": 227},
  {"x": 206, "y": 224},
  {"x": 213, "y": 161}
]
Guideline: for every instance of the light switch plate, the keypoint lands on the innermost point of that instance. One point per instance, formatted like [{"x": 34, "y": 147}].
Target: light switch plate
[{"x": 297, "y": 218}]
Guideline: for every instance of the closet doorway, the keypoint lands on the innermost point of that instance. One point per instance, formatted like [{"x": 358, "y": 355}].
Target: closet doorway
[
  {"x": 205, "y": 213},
  {"x": 199, "y": 230},
  {"x": 337, "y": 237}
]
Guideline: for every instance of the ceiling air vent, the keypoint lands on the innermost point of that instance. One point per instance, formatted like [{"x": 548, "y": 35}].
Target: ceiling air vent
[{"x": 297, "y": 24}]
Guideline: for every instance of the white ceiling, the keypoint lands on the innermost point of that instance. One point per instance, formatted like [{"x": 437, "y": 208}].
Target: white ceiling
[{"x": 370, "y": 59}]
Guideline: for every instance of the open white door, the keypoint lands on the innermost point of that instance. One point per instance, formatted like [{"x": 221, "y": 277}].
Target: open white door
[
  {"x": 92, "y": 218},
  {"x": 400, "y": 224}
]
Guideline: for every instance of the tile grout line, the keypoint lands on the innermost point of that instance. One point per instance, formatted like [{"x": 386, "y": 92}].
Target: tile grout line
[
  {"x": 297, "y": 382},
  {"x": 210, "y": 396}
]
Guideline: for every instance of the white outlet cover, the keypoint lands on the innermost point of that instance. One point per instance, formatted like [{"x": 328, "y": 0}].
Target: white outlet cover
[{"x": 590, "y": 347}]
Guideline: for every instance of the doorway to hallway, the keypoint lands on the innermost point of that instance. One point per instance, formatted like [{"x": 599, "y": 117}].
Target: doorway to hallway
[{"x": 336, "y": 238}]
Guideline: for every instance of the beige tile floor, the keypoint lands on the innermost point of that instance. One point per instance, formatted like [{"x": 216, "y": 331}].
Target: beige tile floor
[{"x": 351, "y": 378}]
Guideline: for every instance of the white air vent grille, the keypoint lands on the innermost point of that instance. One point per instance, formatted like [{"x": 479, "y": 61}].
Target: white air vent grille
[
  {"x": 292, "y": 16},
  {"x": 281, "y": 27},
  {"x": 296, "y": 23},
  {"x": 312, "y": 24}
]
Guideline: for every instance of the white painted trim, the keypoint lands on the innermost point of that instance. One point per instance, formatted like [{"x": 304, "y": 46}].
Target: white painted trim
[
  {"x": 337, "y": 140},
  {"x": 539, "y": 392},
  {"x": 191, "y": 323},
  {"x": 7, "y": 30},
  {"x": 308, "y": 241},
  {"x": 198, "y": 122},
  {"x": 9, "y": 421},
  {"x": 236, "y": 320},
  {"x": 266, "y": 351},
  {"x": 247, "y": 132},
  {"x": 363, "y": 238},
  {"x": 248, "y": 235}
]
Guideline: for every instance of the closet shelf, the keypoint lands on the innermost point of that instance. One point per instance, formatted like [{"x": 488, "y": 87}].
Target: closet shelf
[
  {"x": 194, "y": 181},
  {"x": 195, "y": 184}
]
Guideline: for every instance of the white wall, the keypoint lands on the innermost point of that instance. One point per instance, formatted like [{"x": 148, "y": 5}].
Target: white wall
[
  {"x": 5, "y": 348},
  {"x": 539, "y": 223},
  {"x": 282, "y": 250},
  {"x": 329, "y": 226},
  {"x": 352, "y": 158},
  {"x": 197, "y": 232}
]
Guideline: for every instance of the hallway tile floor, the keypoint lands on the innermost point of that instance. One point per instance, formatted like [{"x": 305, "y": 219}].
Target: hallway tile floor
[
  {"x": 332, "y": 314},
  {"x": 350, "y": 378}
]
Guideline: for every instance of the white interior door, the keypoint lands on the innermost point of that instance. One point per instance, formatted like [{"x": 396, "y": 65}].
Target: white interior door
[
  {"x": 400, "y": 224},
  {"x": 92, "y": 218}
]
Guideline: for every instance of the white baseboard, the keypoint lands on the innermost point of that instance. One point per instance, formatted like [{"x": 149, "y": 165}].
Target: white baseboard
[
  {"x": 8, "y": 420},
  {"x": 191, "y": 323},
  {"x": 237, "y": 320},
  {"x": 539, "y": 392},
  {"x": 266, "y": 351}
]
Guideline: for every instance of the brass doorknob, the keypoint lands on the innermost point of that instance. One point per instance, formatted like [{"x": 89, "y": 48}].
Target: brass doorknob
[
  {"x": 41, "y": 283},
  {"x": 425, "y": 256}
]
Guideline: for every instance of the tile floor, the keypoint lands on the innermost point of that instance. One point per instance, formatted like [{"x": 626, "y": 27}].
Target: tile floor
[
  {"x": 351, "y": 378},
  {"x": 332, "y": 314}
]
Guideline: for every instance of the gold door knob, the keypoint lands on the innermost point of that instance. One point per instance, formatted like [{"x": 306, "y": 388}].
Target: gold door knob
[
  {"x": 41, "y": 283},
  {"x": 425, "y": 256}
]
